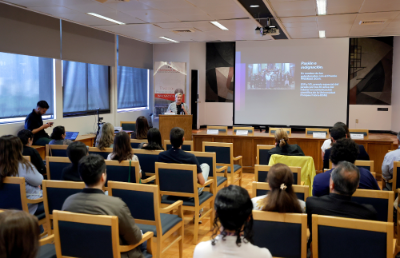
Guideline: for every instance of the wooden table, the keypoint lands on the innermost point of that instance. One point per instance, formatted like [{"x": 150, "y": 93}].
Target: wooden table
[{"x": 377, "y": 145}]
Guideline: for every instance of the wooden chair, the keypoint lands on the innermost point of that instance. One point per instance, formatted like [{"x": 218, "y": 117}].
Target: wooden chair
[
  {"x": 221, "y": 129},
  {"x": 79, "y": 235},
  {"x": 209, "y": 158},
  {"x": 135, "y": 143},
  {"x": 365, "y": 132},
  {"x": 143, "y": 201},
  {"x": 224, "y": 155},
  {"x": 249, "y": 129},
  {"x": 367, "y": 164},
  {"x": 55, "y": 166},
  {"x": 104, "y": 153},
  {"x": 54, "y": 195},
  {"x": 262, "y": 154},
  {"x": 261, "y": 173},
  {"x": 396, "y": 178},
  {"x": 126, "y": 171},
  {"x": 259, "y": 189},
  {"x": 46, "y": 247},
  {"x": 382, "y": 201},
  {"x": 310, "y": 131},
  {"x": 288, "y": 130},
  {"x": 147, "y": 159},
  {"x": 186, "y": 146},
  {"x": 179, "y": 182},
  {"x": 56, "y": 150},
  {"x": 128, "y": 125},
  {"x": 28, "y": 158},
  {"x": 283, "y": 234},
  {"x": 352, "y": 237}
]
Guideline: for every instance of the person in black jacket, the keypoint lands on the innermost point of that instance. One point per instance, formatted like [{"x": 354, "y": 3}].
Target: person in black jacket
[
  {"x": 26, "y": 137},
  {"x": 75, "y": 152},
  {"x": 282, "y": 146}
]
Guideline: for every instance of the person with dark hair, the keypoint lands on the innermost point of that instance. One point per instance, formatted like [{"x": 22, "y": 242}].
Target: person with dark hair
[
  {"x": 282, "y": 146},
  {"x": 142, "y": 127},
  {"x": 233, "y": 227},
  {"x": 154, "y": 140},
  {"x": 34, "y": 123},
  {"x": 92, "y": 200},
  {"x": 26, "y": 137},
  {"x": 343, "y": 150},
  {"x": 328, "y": 142},
  {"x": 75, "y": 152},
  {"x": 58, "y": 136},
  {"x": 13, "y": 164},
  {"x": 282, "y": 197},
  {"x": 19, "y": 234}
]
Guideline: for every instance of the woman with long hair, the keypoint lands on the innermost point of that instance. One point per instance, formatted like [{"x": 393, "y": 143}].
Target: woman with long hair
[
  {"x": 282, "y": 146},
  {"x": 154, "y": 140},
  {"x": 13, "y": 164},
  {"x": 58, "y": 136},
  {"x": 105, "y": 138},
  {"x": 233, "y": 227},
  {"x": 142, "y": 127},
  {"x": 282, "y": 197}
]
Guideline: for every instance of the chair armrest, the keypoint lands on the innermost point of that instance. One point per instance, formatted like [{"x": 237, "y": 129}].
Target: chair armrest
[
  {"x": 302, "y": 183},
  {"x": 144, "y": 181},
  {"x": 219, "y": 170},
  {"x": 171, "y": 207},
  {"x": 237, "y": 158},
  {"x": 126, "y": 248},
  {"x": 35, "y": 200},
  {"x": 208, "y": 182},
  {"x": 46, "y": 240}
]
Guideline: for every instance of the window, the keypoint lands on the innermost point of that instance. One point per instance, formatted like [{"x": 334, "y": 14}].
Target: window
[
  {"x": 24, "y": 80},
  {"x": 133, "y": 88},
  {"x": 86, "y": 88}
]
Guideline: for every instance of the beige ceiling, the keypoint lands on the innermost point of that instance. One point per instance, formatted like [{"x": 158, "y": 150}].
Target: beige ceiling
[{"x": 148, "y": 20}]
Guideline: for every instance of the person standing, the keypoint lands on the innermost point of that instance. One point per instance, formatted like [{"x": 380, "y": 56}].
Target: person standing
[
  {"x": 178, "y": 107},
  {"x": 34, "y": 123}
]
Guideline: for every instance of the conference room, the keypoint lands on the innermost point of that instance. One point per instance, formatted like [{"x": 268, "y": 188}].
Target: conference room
[{"x": 199, "y": 128}]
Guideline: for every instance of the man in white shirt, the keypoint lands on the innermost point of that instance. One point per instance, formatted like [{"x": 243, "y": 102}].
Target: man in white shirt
[{"x": 387, "y": 165}]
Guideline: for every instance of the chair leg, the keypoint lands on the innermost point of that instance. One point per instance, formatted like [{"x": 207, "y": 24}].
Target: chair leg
[
  {"x": 181, "y": 241},
  {"x": 211, "y": 215},
  {"x": 241, "y": 177},
  {"x": 196, "y": 225},
  {"x": 159, "y": 247}
]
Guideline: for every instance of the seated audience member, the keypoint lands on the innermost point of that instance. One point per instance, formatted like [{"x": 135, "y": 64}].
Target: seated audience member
[
  {"x": 58, "y": 136},
  {"x": 337, "y": 133},
  {"x": 26, "y": 138},
  {"x": 34, "y": 123},
  {"x": 92, "y": 200},
  {"x": 233, "y": 227},
  {"x": 154, "y": 140},
  {"x": 281, "y": 198},
  {"x": 142, "y": 127},
  {"x": 387, "y": 165},
  {"x": 19, "y": 234},
  {"x": 328, "y": 142},
  {"x": 13, "y": 164},
  {"x": 75, "y": 152},
  {"x": 105, "y": 138},
  {"x": 283, "y": 147},
  {"x": 343, "y": 150}
]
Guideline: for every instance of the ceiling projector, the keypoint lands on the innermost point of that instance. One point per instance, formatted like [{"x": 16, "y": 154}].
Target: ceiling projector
[{"x": 267, "y": 30}]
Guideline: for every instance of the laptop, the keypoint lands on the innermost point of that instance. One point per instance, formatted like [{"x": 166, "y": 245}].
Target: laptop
[{"x": 71, "y": 135}]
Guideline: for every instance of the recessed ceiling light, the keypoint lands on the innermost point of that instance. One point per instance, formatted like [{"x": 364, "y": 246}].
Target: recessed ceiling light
[
  {"x": 219, "y": 25},
  {"x": 169, "y": 39},
  {"x": 254, "y": 6},
  {"x": 321, "y": 7},
  {"x": 106, "y": 18},
  {"x": 322, "y": 34}
]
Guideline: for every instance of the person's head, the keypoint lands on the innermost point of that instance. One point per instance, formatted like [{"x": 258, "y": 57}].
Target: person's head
[
  {"x": 142, "y": 127},
  {"x": 281, "y": 198},
  {"x": 58, "y": 133},
  {"x": 105, "y": 137},
  {"x": 122, "y": 147},
  {"x": 176, "y": 137},
  {"x": 341, "y": 124},
  {"x": 178, "y": 90},
  {"x": 337, "y": 133},
  {"x": 344, "y": 179},
  {"x": 344, "y": 150},
  {"x": 42, "y": 107},
  {"x": 154, "y": 139},
  {"x": 19, "y": 234},
  {"x": 178, "y": 98},
  {"x": 281, "y": 137},
  {"x": 26, "y": 137},
  {"x": 92, "y": 170},
  {"x": 233, "y": 211},
  {"x": 76, "y": 151}
]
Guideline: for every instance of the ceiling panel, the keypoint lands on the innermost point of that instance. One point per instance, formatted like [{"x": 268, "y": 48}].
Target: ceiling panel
[
  {"x": 131, "y": 5},
  {"x": 166, "y": 4},
  {"x": 294, "y": 8},
  {"x": 343, "y": 6},
  {"x": 151, "y": 15},
  {"x": 188, "y": 14},
  {"x": 380, "y": 6}
]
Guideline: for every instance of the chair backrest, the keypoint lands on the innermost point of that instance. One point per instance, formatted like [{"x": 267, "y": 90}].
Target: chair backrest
[
  {"x": 352, "y": 237},
  {"x": 56, "y": 150},
  {"x": 82, "y": 235},
  {"x": 136, "y": 142},
  {"x": 186, "y": 146},
  {"x": 28, "y": 158},
  {"x": 288, "y": 130},
  {"x": 55, "y": 166},
  {"x": 104, "y": 153},
  {"x": 208, "y": 158},
  {"x": 223, "y": 151},
  {"x": 148, "y": 159},
  {"x": 128, "y": 125},
  {"x": 365, "y": 132},
  {"x": 382, "y": 201},
  {"x": 221, "y": 129},
  {"x": 278, "y": 231},
  {"x": 310, "y": 131},
  {"x": 122, "y": 172},
  {"x": 261, "y": 173},
  {"x": 249, "y": 129},
  {"x": 396, "y": 178},
  {"x": 259, "y": 189},
  {"x": 262, "y": 154},
  {"x": 367, "y": 164},
  {"x": 13, "y": 194}
]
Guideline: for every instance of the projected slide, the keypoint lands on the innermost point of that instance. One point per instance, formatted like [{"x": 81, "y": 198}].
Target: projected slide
[{"x": 291, "y": 82}]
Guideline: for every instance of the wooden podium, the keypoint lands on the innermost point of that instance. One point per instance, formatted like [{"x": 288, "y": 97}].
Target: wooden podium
[{"x": 167, "y": 122}]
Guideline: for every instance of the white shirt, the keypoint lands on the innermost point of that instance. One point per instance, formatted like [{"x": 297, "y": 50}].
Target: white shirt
[
  {"x": 326, "y": 145},
  {"x": 228, "y": 248},
  {"x": 257, "y": 201}
]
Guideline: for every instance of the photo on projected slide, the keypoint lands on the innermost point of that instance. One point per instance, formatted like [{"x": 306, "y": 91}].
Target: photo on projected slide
[{"x": 276, "y": 76}]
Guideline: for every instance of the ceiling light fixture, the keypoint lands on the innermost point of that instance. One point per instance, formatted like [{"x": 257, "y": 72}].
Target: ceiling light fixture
[
  {"x": 321, "y": 7},
  {"x": 254, "y": 6},
  {"x": 219, "y": 25},
  {"x": 322, "y": 34},
  {"x": 106, "y": 18},
  {"x": 169, "y": 39}
]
